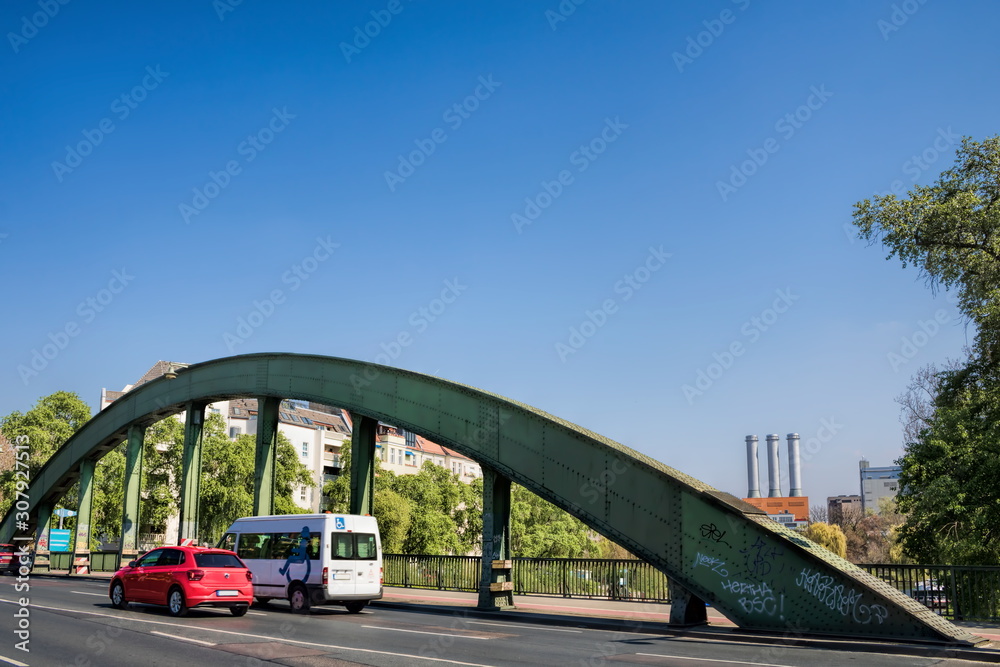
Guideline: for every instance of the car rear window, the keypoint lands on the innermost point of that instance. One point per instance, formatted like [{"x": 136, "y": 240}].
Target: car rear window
[{"x": 217, "y": 560}]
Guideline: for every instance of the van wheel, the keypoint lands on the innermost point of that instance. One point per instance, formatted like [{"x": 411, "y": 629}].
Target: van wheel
[
  {"x": 262, "y": 602},
  {"x": 298, "y": 599},
  {"x": 355, "y": 607}
]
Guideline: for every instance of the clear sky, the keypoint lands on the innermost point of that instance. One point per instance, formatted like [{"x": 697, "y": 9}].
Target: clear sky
[{"x": 638, "y": 213}]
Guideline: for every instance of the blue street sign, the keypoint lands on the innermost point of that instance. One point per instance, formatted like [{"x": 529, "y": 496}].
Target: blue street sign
[
  {"x": 58, "y": 539},
  {"x": 64, "y": 512}
]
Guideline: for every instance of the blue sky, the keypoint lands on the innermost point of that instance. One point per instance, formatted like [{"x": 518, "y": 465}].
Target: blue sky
[{"x": 676, "y": 174}]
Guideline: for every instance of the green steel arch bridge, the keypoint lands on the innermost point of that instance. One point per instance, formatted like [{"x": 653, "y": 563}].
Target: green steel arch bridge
[{"x": 713, "y": 547}]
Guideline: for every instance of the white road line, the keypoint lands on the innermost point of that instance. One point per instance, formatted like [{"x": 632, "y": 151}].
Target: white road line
[
  {"x": 256, "y": 613},
  {"x": 12, "y": 661},
  {"x": 183, "y": 639},
  {"x": 522, "y": 627},
  {"x": 728, "y": 662},
  {"x": 421, "y": 632},
  {"x": 119, "y": 617},
  {"x": 100, "y": 595}
]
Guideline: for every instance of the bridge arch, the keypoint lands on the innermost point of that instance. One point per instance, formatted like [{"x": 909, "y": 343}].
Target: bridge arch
[{"x": 721, "y": 550}]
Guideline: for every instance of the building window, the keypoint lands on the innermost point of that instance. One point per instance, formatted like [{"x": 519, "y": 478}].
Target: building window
[
  {"x": 302, "y": 493},
  {"x": 234, "y": 432},
  {"x": 305, "y": 449}
]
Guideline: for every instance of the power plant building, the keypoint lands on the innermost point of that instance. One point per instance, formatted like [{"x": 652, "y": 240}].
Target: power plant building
[{"x": 791, "y": 510}]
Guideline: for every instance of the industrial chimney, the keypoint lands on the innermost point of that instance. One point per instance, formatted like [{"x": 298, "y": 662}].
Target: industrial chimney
[
  {"x": 773, "y": 471},
  {"x": 794, "y": 467},
  {"x": 753, "y": 476}
]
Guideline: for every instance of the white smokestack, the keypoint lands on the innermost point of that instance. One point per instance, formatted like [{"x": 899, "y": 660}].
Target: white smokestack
[
  {"x": 753, "y": 474},
  {"x": 794, "y": 466},
  {"x": 773, "y": 471}
]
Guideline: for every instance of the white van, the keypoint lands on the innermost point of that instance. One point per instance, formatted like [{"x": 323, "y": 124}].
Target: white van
[{"x": 310, "y": 558}]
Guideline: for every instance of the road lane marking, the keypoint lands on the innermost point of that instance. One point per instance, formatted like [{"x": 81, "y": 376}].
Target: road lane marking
[
  {"x": 126, "y": 617},
  {"x": 256, "y": 613},
  {"x": 421, "y": 632},
  {"x": 179, "y": 638},
  {"x": 728, "y": 662},
  {"x": 12, "y": 661},
  {"x": 100, "y": 595},
  {"x": 522, "y": 627}
]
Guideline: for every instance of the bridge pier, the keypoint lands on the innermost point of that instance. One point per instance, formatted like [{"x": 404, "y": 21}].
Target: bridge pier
[
  {"x": 42, "y": 537},
  {"x": 128, "y": 544},
  {"x": 363, "y": 438},
  {"x": 194, "y": 424},
  {"x": 496, "y": 586},
  {"x": 686, "y": 608},
  {"x": 81, "y": 541},
  {"x": 266, "y": 456}
]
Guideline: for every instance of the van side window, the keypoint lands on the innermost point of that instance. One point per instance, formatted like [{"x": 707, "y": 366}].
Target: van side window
[
  {"x": 254, "y": 545},
  {"x": 283, "y": 543},
  {"x": 366, "y": 549},
  {"x": 228, "y": 541}
]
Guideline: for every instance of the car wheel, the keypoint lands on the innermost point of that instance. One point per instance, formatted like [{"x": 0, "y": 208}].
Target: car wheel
[
  {"x": 298, "y": 599},
  {"x": 118, "y": 600},
  {"x": 175, "y": 602},
  {"x": 239, "y": 610},
  {"x": 356, "y": 607}
]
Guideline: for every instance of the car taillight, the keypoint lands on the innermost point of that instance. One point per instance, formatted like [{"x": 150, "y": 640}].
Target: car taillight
[
  {"x": 380, "y": 576},
  {"x": 326, "y": 575},
  {"x": 195, "y": 575},
  {"x": 249, "y": 575}
]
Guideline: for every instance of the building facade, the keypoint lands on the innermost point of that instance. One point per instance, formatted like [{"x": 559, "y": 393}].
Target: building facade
[
  {"x": 878, "y": 482},
  {"x": 839, "y": 506}
]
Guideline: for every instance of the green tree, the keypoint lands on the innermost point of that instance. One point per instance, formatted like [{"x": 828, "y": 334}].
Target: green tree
[
  {"x": 951, "y": 469},
  {"x": 44, "y": 428},
  {"x": 828, "y": 536},
  {"x": 539, "y": 529}
]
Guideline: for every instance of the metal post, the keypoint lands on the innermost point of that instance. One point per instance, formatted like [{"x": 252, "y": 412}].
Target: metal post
[
  {"x": 128, "y": 546},
  {"x": 82, "y": 539},
  {"x": 42, "y": 537},
  {"x": 266, "y": 456},
  {"x": 194, "y": 424},
  {"x": 496, "y": 588},
  {"x": 686, "y": 608},
  {"x": 363, "y": 464}
]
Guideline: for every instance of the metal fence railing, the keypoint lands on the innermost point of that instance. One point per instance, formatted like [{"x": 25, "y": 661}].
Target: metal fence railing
[
  {"x": 566, "y": 577},
  {"x": 957, "y": 592}
]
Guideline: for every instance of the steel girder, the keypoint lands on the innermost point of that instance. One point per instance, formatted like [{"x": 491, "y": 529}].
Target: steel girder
[{"x": 758, "y": 573}]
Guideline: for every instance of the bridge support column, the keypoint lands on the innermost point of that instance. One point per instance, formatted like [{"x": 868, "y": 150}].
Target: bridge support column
[
  {"x": 496, "y": 586},
  {"x": 686, "y": 608},
  {"x": 267, "y": 456},
  {"x": 81, "y": 542},
  {"x": 191, "y": 471},
  {"x": 129, "y": 542},
  {"x": 42, "y": 537},
  {"x": 363, "y": 464}
]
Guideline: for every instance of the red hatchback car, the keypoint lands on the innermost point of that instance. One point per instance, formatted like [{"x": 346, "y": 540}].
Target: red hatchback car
[{"x": 183, "y": 577}]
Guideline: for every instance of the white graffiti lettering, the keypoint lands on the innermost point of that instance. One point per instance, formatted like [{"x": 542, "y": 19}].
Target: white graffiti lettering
[
  {"x": 845, "y": 602},
  {"x": 713, "y": 563}
]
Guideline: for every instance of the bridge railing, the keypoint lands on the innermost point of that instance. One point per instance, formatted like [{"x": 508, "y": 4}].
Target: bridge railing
[
  {"x": 957, "y": 592},
  {"x": 566, "y": 577}
]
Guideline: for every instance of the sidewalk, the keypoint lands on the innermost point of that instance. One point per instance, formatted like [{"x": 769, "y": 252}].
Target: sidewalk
[{"x": 648, "y": 617}]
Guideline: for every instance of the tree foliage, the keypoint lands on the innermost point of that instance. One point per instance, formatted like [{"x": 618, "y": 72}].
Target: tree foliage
[
  {"x": 951, "y": 467},
  {"x": 45, "y": 427},
  {"x": 539, "y": 529},
  {"x": 828, "y": 536}
]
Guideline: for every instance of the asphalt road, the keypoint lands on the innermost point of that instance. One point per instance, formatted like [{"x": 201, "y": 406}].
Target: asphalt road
[{"x": 73, "y": 623}]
